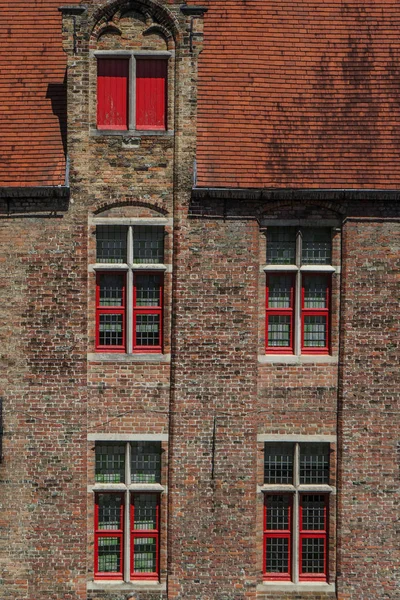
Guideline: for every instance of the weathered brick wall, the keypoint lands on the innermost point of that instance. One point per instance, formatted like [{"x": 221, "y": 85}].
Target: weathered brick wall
[
  {"x": 44, "y": 387},
  {"x": 369, "y": 411}
]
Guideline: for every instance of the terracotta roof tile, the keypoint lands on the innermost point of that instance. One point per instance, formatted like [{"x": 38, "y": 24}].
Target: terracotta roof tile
[
  {"x": 32, "y": 69},
  {"x": 291, "y": 94}
]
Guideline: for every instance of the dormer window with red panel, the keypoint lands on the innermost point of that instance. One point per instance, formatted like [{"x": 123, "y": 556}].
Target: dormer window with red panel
[{"x": 132, "y": 92}]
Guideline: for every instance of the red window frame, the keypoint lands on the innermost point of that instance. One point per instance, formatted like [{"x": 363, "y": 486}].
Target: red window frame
[
  {"x": 103, "y": 310},
  {"x": 101, "y": 533},
  {"x": 314, "y": 534},
  {"x": 151, "y": 93},
  {"x": 112, "y": 93},
  {"x": 148, "y": 310},
  {"x": 145, "y": 533},
  {"x": 316, "y": 312},
  {"x": 280, "y": 312},
  {"x": 278, "y": 533}
]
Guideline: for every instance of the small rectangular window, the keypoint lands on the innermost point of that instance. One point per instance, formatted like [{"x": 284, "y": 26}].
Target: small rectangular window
[
  {"x": 139, "y": 527},
  {"x": 145, "y": 534},
  {"x": 151, "y": 93},
  {"x": 112, "y": 93},
  {"x": 136, "y": 328},
  {"x": 277, "y": 537},
  {"x": 294, "y": 518},
  {"x": 111, "y": 243},
  {"x": 110, "y": 462},
  {"x": 313, "y": 537},
  {"x": 280, "y": 312},
  {"x": 109, "y": 520},
  {"x": 298, "y": 303},
  {"x": 146, "y": 462}
]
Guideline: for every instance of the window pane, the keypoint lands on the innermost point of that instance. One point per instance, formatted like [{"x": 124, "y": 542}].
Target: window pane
[
  {"x": 316, "y": 246},
  {"x": 145, "y": 511},
  {"x": 315, "y": 291},
  {"x": 278, "y": 512},
  {"x": 111, "y": 243},
  {"x": 111, "y": 289},
  {"x": 110, "y": 506},
  {"x": 148, "y": 330},
  {"x": 313, "y": 512},
  {"x": 146, "y": 462},
  {"x": 279, "y": 291},
  {"x": 279, "y": 331},
  {"x": 109, "y": 549},
  {"x": 314, "y": 463},
  {"x": 110, "y": 463},
  {"x": 148, "y": 244},
  {"x": 281, "y": 245},
  {"x": 144, "y": 555},
  {"x": 312, "y": 555},
  {"x": 148, "y": 289},
  {"x": 278, "y": 463},
  {"x": 314, "y": 331},
  {"x": 277, "y": 555},
  {"x": 111, "y": 330}
]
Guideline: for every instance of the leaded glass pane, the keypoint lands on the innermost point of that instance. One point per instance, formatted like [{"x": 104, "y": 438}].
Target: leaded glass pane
[
  {"x": 144, "y": 555},
  {"x": 109, "y": 549},
  {"x": 109, "y": 506},
  {"x": 148, "y": 289},
  {"x": 281, "y": 245},
  {"x": 110, "y": 462},
  {"x": 277, "y": 555},
  {"x": 111, "y": 243},
  {"x": 148, "y": 244},
  {"x": 148, "y": 330},
  {"x": 279, "y": 291},
  {"x": 110, "y": 330},
  {"x": 316, "y": 246},
  {"x": 278, "y": 462},
  {"x": 315, "y": 291},
  {"x": 278, "y": 512},
  {"x": 314, "y": 331},
  {"x": 279, "y": 330},
  {"x": 312, "y": 555},
  {"x": 145, "y": 511},
  {"x": 313, "y": 512},
  {"x": 111, "y": 289},
  {"x": 146, "y": 462},
  {"x": 314, "y": 463}
]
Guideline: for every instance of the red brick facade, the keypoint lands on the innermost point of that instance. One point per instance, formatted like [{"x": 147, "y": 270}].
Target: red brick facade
[{"x": 214, "y": 399}]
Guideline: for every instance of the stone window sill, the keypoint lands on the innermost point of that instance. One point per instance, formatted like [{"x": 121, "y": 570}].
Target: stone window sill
[
  {"x": 123, "y": 586},
  {"x": 297, "y": 359},
  {"x": 95, "y": 357},
  {"x": 309, "y": 586}
]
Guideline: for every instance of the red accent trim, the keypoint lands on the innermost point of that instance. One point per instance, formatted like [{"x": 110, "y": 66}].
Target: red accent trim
[
  {"x": 101, "y": 533},
  {"x": 112, "y": 93},
  {"x": 104, "y": 310},
  {"x": 145, "y": 533},
  {"x": 280, "y": 312},
  {"x": 151, "y": 93},
  {"x": 278, "y": 533},
  {"x": 317, "y": 312},
  {"x": 151, "y": 310},
  {"x": 314, "y": 534}
]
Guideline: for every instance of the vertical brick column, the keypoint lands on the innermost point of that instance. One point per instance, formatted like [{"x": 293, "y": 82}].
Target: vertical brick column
[
  {"x": 369, "y": 415},
  {"x": 213, "y": 436}
]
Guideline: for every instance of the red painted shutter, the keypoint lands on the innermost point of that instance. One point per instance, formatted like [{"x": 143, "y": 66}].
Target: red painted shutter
[
  {"x": 151, "y": 93},
  {"x": 112, "y": 93}
]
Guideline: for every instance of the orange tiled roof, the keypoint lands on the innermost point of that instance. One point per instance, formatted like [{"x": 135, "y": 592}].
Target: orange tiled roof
[
  {"x": 32, "y": 69},
  {"x": 291, "y": 94},
  {"x": 302, "y": 94}
]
